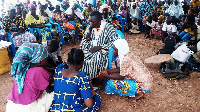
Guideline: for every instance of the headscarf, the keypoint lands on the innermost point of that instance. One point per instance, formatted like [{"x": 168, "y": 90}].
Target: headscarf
[
  {"x": 104, "y": 6},
  {"x": 58, "y": 3},
  {"x": 27, "y": 53},
  {"x": 122, "y": 46},
  {"x": 30, "y": 6},
  {"x": 89, "y": 1}
]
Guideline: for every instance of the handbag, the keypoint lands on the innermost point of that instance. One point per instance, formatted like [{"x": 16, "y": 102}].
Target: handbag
[{"x": 182, "y": 53}]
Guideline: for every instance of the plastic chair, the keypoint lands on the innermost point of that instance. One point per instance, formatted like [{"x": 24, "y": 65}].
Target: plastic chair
[
  {"x": 31, "y": 30},
  {"x": 12, "y": 45},
  {"x": 111, "y": 59},
  {"x": 58, "y": 29},
  {"x": 120, "y": 34},
  {"x": 122, "y": 21}
]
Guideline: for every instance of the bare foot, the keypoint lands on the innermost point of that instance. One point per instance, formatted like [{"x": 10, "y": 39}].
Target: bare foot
[{"x": 138, "y": 96}]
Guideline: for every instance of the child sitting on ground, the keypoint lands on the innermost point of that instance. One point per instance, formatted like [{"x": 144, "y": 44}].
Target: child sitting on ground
[
  {"x": 53, "y": 49},
  {"x": 190, "y": 29},
  {"x": 148, "y": 26},
  {"x": 168, "y": 28},
  {"x": 134, "y": 80},
  {"x": 135, "y": 27},
  {"x": 157, "y": 30}
]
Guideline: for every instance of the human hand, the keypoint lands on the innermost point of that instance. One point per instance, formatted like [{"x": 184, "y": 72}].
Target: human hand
[
  {"x": 95, "y": 49},
  {"x": 102, "y": 75},
  {"x": 88, "y": 36}
]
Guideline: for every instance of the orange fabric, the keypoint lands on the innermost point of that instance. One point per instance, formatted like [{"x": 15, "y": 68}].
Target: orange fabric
[{"x": 69, "y": 25}]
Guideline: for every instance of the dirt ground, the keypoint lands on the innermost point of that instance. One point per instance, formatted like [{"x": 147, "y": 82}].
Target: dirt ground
[{"x": 165, "y": 95}]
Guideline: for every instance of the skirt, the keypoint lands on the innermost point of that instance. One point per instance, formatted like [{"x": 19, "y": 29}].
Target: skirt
[
  {"x": 126, "y": 87},
  {"x": 41, "y": 105},
  {"x": 26, "y": 37}
]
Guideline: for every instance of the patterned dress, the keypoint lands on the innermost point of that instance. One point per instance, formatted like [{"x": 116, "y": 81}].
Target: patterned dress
[
  {"x": 69, "y": 93},
  {"x": 138, "y": 79},
  {"x": 13, "y": 26},
  {"x": 98, "y": 61},
  {"x": 30, "y": 19}
]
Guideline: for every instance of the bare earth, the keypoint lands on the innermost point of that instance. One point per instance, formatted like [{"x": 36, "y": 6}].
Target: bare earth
[{"x": 165, "y": 95}]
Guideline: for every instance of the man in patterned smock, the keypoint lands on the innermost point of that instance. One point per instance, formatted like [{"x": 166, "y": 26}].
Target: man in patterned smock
[{"x": 96, "y": 42}]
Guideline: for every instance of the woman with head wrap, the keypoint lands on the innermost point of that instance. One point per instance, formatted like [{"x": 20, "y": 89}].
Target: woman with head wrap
[
  {"x": 58, "y": 15},
  {"x": 134, "y": 79},
  {"x": 134, "y": 11},
  {"x": 15, "y": 25},
  {"x": 175, "y": 9},
  {"x": 30, "y": 80},
  {"x": 34, "y": 20},
  {"x": 105, "y": 10}
]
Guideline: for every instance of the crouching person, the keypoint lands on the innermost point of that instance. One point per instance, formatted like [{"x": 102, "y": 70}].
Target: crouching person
[{"x": 134, "y": 79}]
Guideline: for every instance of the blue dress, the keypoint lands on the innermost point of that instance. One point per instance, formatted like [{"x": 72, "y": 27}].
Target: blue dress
[{"x": 69, "y": 93}]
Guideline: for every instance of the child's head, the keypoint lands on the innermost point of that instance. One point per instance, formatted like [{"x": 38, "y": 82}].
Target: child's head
[
  {"x": 114, "y": 18},
  {"x": 198, "y": 22},
  {"x": 183, "y": 17},
  {"x": 149, "y": 18},
  {"x": 76, "y": 57},
  {"x": 53, "y": 45},
  {"x": 55, "y": 35},
  {"x": 168, "y": 20},
  {"x": 191, "y": 12},
  {"x": 190, "y": 19},
  {"x": 134, "y": 20}
]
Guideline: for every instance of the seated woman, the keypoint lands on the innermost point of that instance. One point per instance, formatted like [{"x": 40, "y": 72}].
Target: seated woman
[
  {"x": 190, "y": 28},
  {"x": 105, "y": 10},
  {"x": 15, "y": 25},
  {"x": 30, "y": 80},
  {"x": 96, "y": 42},
  {"x": 34, "y": 20},
  {"x": 44, "y": 15},
  {"x": 72, "y": 89},
  {"x": 134, "y": 79},
  {"x": 58, "y": 15}
]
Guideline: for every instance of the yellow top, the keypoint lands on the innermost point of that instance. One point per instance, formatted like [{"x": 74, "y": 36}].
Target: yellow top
[
  {"x": 188, "y": 30},
  {"x": 30, "y": 19}
]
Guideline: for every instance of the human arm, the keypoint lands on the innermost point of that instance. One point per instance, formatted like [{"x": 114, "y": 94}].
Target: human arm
[
  {"x": 60, "y": 59},
  {"x": 95, "y": 49}
]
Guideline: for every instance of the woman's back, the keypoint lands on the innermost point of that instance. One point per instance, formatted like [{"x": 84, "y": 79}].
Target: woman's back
[{"x": 69, "y": 93}]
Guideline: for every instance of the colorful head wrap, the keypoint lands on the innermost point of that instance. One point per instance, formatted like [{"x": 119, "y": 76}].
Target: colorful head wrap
[
  {"x": 104, "y": 6},
  {"x": 122, "y": 46},
  {"x": 30, "y": 6},
  {"x": 27, "y": 53},
  {"x": 161, "y": 17},
  {"x": 89, "y": 1}
]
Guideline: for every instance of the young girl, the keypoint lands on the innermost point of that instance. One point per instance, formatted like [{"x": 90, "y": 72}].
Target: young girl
[
  {"x": 135, "y": 28},
  {"x": 157, "y": 30},
  {"x": 72, "y": 89},
  {"x": 134, "y": 79},
  {"x": 148, "y": 26},
  {"x": 190, "y": 28},
  {"x": 30, "y": 80}
]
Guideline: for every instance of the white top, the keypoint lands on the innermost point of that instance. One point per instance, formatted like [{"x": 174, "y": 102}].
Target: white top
[
  {"x": 152, "y": 24},
  {"x": 169, "y": 28}
]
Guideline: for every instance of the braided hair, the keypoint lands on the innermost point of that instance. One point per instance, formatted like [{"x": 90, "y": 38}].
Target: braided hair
[{"x": 75, "y": 56}]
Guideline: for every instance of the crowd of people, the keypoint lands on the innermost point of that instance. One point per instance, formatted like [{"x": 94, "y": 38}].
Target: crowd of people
[{"x": 44, "y": 82}]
